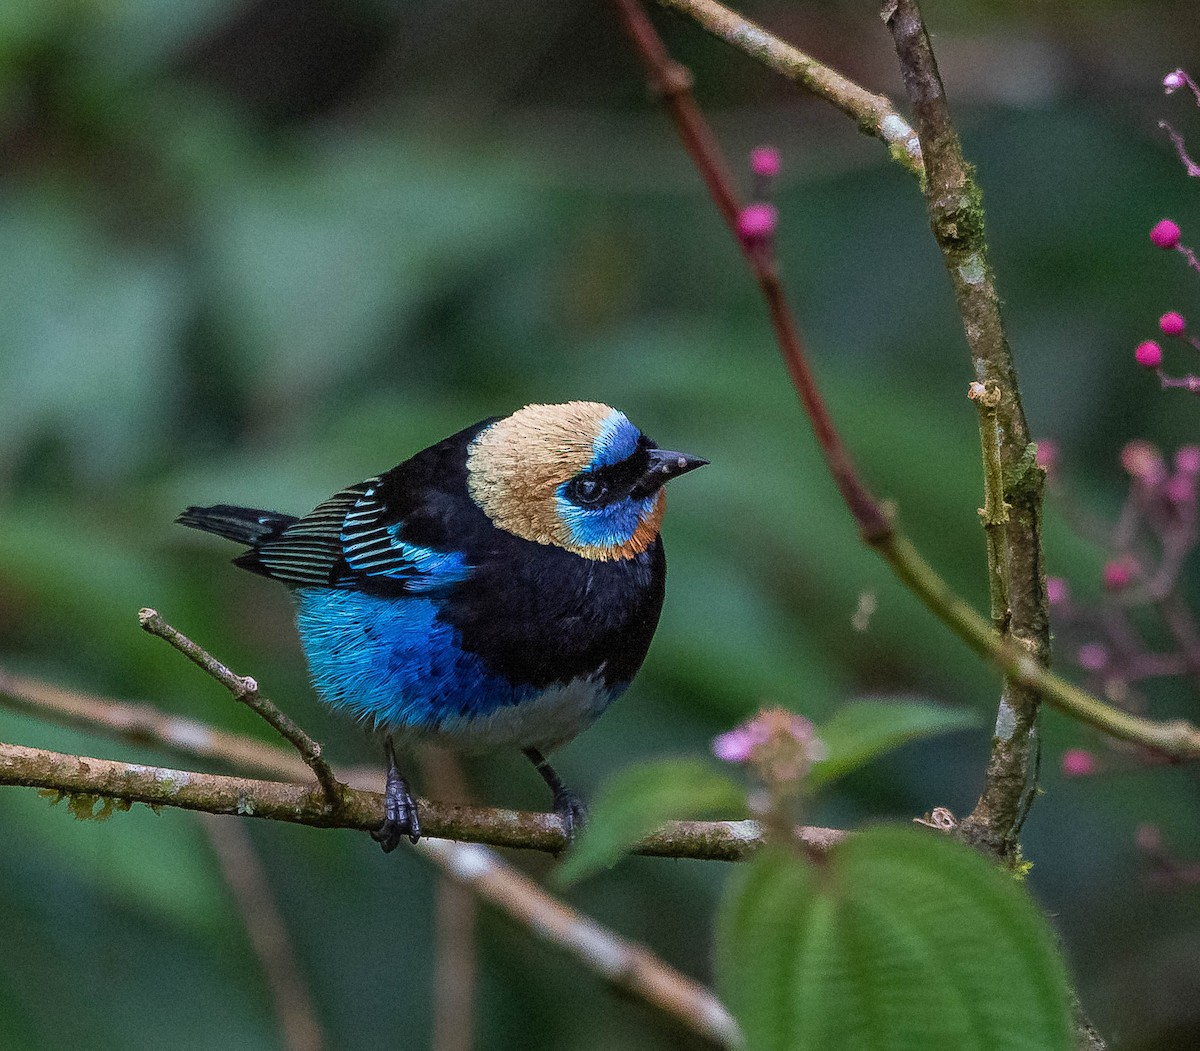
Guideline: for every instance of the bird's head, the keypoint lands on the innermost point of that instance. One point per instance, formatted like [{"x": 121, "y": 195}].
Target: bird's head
[{"x": 579, "y": 476}]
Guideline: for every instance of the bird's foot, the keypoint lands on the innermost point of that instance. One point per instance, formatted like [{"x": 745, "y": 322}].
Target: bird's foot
[
  {"x": 572, "y": 811},
  {"x": 400, "y": 809}
]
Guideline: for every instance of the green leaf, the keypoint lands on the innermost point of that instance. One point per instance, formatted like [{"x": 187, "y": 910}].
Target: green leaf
[
  {"x": 858, "y": 732},
  {"x": 639, "y": 800},
  {"x": 902, "y": 939}
]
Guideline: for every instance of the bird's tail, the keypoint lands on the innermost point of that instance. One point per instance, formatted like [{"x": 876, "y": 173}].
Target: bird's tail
[{"x": 246, "y": 525}]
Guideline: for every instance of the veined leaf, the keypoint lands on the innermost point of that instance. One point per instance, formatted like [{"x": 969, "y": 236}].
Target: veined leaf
[
  {"x": 641, "y": 799},
  {"x": 901, "y": 940},
  {"x": 860, "y": 731}
]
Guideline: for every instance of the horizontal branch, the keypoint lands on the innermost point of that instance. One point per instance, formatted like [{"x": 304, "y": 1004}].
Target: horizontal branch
[
  {"x": 132, "y": 721},
  {"x": 82, "y": 776},
  {"x": 874, "y": 114}
]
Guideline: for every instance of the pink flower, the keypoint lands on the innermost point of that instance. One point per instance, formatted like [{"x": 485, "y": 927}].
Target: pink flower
[
  {"x": 765, "y": 162},
  {"x": 1171, "y": 323},
  {"x": 1077, "y": 762},
  {"x": 1173, "y": 81},
  {"x": 757, "y": 222},
  {"x": 734, "y": 746},
  {"x": 1057, "y": 591},
  {"x": 780, "y": 745},
  {"x": 1148, "y": 354},
  {"x": 1165, "y": 233},
  {"x": 1092, "y": 656}
]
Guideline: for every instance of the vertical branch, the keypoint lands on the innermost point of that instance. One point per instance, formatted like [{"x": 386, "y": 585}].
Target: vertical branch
[
  {"x": 994, "y": 512},
  {"x": 454, "y": 963},
  {"x": 1016, "y": 575},
  {"x": 247, "y": 880}
]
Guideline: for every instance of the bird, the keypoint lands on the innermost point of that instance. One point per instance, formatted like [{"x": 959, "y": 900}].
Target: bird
[{"x": 497, "y": 590}]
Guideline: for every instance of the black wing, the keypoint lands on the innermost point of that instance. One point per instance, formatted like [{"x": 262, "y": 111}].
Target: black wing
[{"x": 408, "y": 530}]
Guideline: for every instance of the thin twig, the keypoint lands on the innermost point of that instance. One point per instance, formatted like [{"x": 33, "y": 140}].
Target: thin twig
[
  {"x": 1189, "y": 165},
  {"x": 247, "y": 880},
  {"x": 455, "y": 951},
  {"x": 1174, "y": 739},
  {"x": 672, "y": 83},
  {"x": 994, "y": 512},
  {"x": 874, "y": 114},
  {"x": 1016, "y": 575},
  {"x": 245, "y": 690}
]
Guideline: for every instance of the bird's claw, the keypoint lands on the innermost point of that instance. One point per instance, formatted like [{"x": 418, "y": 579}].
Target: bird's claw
[
  {"x": 571, "y": 810},
  {"x": 401, "y": 818}
]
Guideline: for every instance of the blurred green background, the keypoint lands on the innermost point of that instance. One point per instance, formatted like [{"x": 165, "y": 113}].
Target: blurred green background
[{"x": 255, "y": 251}]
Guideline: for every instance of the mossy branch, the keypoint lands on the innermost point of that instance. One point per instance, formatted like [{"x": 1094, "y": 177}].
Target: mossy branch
[{"x": 1016, "y": 577}]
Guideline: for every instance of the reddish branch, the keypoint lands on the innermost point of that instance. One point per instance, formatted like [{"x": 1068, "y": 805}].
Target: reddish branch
[{"x": 668, "y": 79}]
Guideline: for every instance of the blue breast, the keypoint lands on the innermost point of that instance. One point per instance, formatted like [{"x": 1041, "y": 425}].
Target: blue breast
[{"x": 392, "y": 663}]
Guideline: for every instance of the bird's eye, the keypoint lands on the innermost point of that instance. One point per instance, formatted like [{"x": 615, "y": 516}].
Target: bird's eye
[{"x": 588, "y": 490}]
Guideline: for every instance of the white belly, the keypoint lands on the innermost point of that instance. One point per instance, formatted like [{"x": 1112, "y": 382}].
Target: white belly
[{"x": 548, "y": 721}]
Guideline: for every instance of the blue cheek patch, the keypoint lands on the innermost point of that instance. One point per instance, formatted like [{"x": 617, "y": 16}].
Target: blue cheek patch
[
  {"x": 618, "y": 439},
  {"x": 393, "y": 664},
  {"x": 608, "y": 526},
  {"x": 613, "y": 524}
]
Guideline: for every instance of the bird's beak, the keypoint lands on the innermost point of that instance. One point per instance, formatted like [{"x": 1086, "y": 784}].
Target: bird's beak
[{"x": 664, "y": 466}]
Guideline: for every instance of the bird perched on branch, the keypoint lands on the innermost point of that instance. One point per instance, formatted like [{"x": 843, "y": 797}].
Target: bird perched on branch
[{"x": 497, "y": 590}]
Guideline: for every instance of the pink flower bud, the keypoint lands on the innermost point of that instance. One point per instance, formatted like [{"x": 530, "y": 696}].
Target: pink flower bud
[
  {"x": 1077, "y": 762},
  {"x": 1173, "y": 81},
  {"x": 1148, "y": 354},
  {"x": 1187, "y": 459},
  {"x": 757, "y": 222},
  {"x": 765, "y": 162},
  {"x": 1092, "y": 656},
  {"x": 1057, "y": 591},
  {"x": 1165, "y": 234},
  {"x": 1118, "y": 574},
  {"x": 1171, "y": 323}
]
